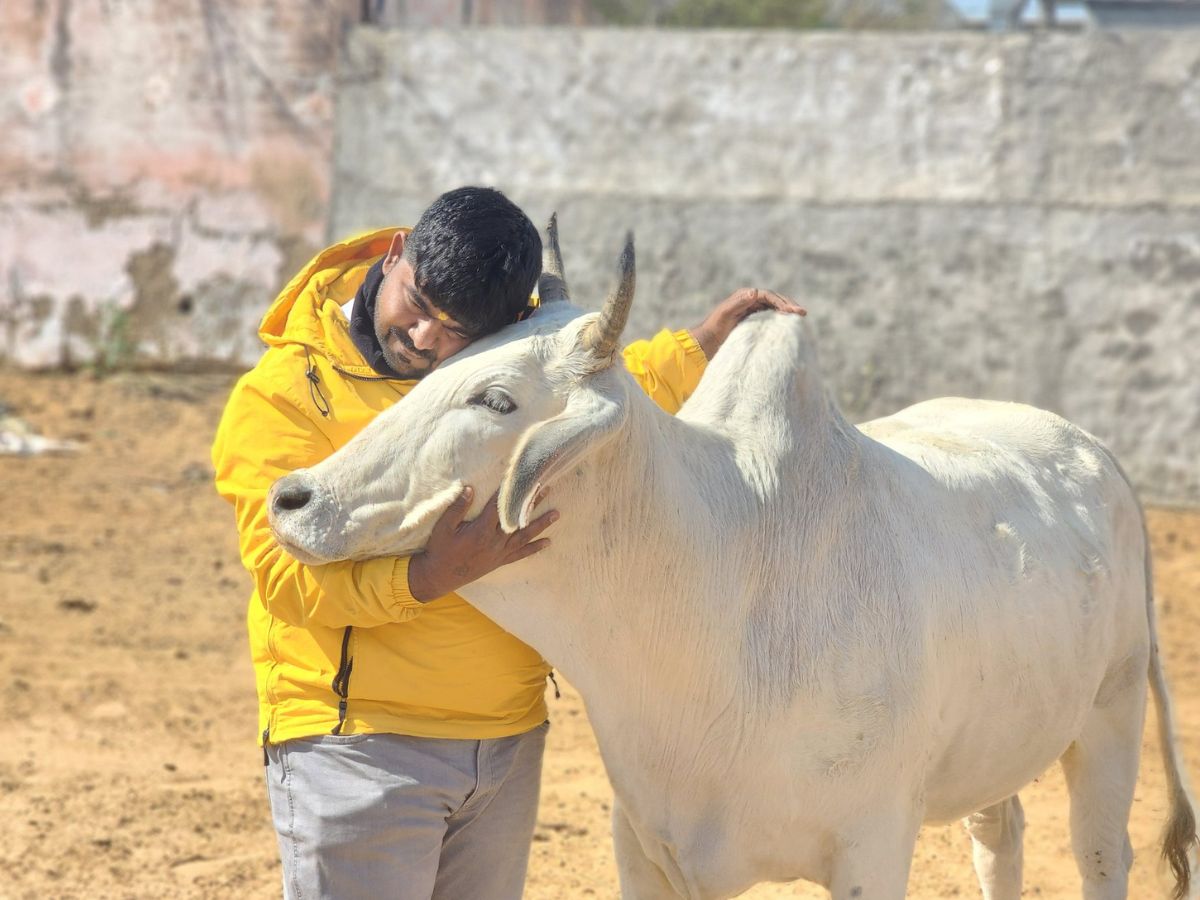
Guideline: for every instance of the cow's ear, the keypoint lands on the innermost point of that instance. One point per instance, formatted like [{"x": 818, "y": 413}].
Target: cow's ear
[{"x": 549, "y": 448}]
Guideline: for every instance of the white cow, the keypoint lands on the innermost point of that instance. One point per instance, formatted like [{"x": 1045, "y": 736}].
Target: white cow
[{"x": 797, "y": 640}]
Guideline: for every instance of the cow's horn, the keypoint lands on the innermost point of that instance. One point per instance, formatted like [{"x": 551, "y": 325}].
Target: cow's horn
[
  {"x": 552, "y": 284},
  {"x": 601, "y": 337}
]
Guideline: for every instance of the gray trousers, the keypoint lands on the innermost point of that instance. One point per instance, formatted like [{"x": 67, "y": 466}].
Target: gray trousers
[{"x": 385, "y": 815}]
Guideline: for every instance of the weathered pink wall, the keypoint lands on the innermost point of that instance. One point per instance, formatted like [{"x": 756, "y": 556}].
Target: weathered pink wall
[{"x": 164, "y": 167}]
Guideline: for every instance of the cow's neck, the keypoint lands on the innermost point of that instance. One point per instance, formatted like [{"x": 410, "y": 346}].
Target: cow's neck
[{"x": 652, "y": 568}]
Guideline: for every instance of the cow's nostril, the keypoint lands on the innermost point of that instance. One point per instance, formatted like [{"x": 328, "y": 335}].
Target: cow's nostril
[{"x": 293, "y": 498}]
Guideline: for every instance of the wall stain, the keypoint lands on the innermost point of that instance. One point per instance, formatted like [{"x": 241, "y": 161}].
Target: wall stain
[
  {"x": 60, "y": 70},
  {"x": 156, "y": 290},
  {"x": 80, "y": 321},
  {"x": 98, "y": 209}
]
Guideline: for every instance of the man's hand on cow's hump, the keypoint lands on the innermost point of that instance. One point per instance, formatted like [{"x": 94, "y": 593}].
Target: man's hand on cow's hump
[
  {"x": 460, "y": 552},
  {"x": 712, "y": 332}
]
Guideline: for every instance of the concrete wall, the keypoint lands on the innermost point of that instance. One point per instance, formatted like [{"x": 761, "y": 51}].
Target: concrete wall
[
  {"x": 164, "y": 167},
  {"x": 1012, "y": 217}
]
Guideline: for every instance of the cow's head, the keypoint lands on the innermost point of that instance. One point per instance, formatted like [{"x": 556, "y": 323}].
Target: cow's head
[{"x": 512, "y": 412}]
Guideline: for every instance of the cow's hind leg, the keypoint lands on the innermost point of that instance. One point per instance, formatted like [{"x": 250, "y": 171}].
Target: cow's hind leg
[
  {"x": 1101, "y": 768},
  {"x": 996, "y": 834}
]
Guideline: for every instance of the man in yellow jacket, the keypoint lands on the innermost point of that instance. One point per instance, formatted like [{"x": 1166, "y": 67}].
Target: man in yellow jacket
[{"x": 401, "y": 729}]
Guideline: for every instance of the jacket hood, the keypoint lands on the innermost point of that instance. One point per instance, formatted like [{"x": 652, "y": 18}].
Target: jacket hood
[{"x": 308, "y": 310}]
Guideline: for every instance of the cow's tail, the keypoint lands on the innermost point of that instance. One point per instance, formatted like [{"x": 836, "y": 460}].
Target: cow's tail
[{"x": 1179, "y": 835}]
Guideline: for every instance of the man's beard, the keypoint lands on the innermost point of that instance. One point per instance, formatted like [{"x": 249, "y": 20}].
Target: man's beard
[
  {"x": 414, "y": 364},
  {"x": 418, "y": 363}
]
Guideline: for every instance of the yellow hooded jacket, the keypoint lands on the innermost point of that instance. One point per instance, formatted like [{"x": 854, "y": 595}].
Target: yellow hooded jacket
[{"x": 344, "y": 647}]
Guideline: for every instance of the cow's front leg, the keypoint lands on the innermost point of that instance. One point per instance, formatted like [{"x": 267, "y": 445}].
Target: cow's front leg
[
  {"x": 873, "y": 858},
  {"x": 641, "y": 878}
]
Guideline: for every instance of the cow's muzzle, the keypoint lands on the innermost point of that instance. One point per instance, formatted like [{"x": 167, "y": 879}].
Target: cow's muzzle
[{"x": 301, "y": 516}]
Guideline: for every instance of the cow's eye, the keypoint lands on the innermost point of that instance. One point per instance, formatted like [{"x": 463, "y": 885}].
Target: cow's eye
[{"x": 495, "y": 400}]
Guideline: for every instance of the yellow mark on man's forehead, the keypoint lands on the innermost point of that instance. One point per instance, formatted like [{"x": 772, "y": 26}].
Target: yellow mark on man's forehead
[{"x": 441, "y": 316}]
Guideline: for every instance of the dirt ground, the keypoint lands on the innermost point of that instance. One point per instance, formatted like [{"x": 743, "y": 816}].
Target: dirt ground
[{"x": 127, "y": 761}]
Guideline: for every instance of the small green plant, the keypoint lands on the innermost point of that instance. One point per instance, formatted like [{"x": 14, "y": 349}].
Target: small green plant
[{"x": 115, "y": 348}]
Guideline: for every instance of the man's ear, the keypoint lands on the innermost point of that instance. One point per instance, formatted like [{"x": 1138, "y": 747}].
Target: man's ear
[
  {"x": 549, "y": 448},
  {"x": 395, "y": 251}
]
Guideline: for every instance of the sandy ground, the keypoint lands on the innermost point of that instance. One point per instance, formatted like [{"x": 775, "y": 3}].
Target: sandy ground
[{"x": 127, "y": 760}]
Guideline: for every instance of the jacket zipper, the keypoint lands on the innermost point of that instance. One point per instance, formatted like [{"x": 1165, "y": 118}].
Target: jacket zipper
[
  {"x": 272, "y": 672},
  {"x": 319, "y": 400},
  {"x": 341, "y": 681},
  {"x": 351, "y": 375}
]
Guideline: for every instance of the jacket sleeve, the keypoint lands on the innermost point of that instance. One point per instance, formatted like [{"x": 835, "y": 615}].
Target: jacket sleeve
[
  {"x": 263, "y": 436},
  {"x": 668, "y": 367}
]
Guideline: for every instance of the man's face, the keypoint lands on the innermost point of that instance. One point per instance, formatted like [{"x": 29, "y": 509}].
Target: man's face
[{"x": 415, "y": 335}]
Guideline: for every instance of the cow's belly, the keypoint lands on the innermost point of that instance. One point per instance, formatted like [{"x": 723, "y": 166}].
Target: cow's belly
[
  {"x": 982, "y": 768},
  {"x": 1009, "y": 712}
]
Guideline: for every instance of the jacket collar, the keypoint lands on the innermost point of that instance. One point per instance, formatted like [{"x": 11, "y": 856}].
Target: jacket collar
[
  {"x": 308, "y": 310},
  {"x": 362, "y": 323}
]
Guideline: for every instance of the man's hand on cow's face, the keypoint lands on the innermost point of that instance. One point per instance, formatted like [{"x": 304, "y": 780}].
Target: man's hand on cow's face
[
  {"x": 711, "y": 333},
  {"x": 460, "y": 552}
]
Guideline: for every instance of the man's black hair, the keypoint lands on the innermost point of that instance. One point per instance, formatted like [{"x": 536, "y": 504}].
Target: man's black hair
[{"x": 476, "y": 257}]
